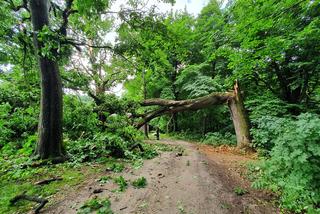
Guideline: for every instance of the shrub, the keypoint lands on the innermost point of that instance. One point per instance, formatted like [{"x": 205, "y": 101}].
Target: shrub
[
  {"x": 293, "y": 169},
  {"x": 79, "y": 118},
  {"x": 266, "y": 129},
  {"x": 217, "y": 139}
]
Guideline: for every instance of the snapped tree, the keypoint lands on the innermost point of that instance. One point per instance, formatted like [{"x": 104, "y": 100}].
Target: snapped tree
[{"x": 233, "y": 99}]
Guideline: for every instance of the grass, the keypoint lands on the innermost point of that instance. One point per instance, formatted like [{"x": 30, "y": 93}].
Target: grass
[
  {"x": 115, "y": 167},
  {"x": 12, "y": 186},
  {"x": 17, "y": 180},
  {"x": 100, "y": 206},
  {"x": 140, "y": 182},
  {"x": 122, "y": 183},
  {"x": 105, "y": 179},
  {"x": 240, "y": 191},
  {"x": 181, "y": 208}
]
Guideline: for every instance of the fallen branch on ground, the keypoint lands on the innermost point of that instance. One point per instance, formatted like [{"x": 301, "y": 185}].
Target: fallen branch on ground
[
  {"x": 47, "y": 181},
  {"x": 136, "y": 145},
  {"x": 42, "y": 202}
]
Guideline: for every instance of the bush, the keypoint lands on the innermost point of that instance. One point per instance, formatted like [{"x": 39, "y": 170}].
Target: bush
[
  {"x": 19, "y": 112},
  {"x": 87, "y": 149},
  {"x": 293, "y": 169},
  {"x": 187, "y": 135},
  {"x": 79, "y": 118},
  {"x": 217, "y": 139},
  {"x": 266, "y": 129}
]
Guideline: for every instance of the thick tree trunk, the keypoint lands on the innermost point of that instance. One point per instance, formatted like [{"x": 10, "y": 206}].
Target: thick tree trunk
[
  {"x": 234, "y": 100},
  {"x": 240, "y": 119},
  {"x": 50, "y": 121}
]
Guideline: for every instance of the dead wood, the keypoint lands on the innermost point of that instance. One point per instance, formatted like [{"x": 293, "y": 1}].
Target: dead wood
[
  {"x": 47, "y": 181},
  {"x": 42, "y": 202}
]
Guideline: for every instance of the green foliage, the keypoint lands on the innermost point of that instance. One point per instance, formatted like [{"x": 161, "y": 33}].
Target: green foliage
[
  {"x": 268, "y": 128},
  {"x": 217, "y": 139},
  {"x": 100, "y": 206},
  {"x": 18, "y": 110},
  {"x": 16, "y": 180},
  {"x": 122, "y": 183},
  {"x": 83, "y": 150},
  {"x": 139, "y": 182},
  {"x": 105, "y": 179},
  {"x": 293, "y": 167},
  {"x": 271, "y": 46},
  {"x": 195, "y": 81},
  {"x": 186, "y": 135},
  {"x": 240, "y": 191},
  {"x": 79, "y": 118},
  {"x": 116, "y": 167},
  {"x": 267, "y": 34},
  {"x": 260, "y": 105},
  {"x": 268, "y": 115}
]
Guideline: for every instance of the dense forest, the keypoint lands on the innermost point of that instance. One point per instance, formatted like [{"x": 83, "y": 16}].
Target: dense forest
[{"x": 83, "y": 82}]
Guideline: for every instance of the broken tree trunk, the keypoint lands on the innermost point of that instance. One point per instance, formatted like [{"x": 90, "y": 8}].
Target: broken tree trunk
[
  {"x": 240, "y": 119},
  {"x": 233, "y": 99}
]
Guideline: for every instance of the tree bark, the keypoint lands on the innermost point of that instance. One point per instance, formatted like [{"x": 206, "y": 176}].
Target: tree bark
[
  {"x": 233, "y": 99},
  {"x": 50, "y": 120},
  {"x": 240, "y": 119}
]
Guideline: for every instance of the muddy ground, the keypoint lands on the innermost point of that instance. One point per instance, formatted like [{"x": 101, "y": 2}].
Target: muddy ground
[{"x": 201, "y": 180}]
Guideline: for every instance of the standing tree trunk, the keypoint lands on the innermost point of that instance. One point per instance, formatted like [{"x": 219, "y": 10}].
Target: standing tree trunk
[
  {"x": 50, "y": 120},
  {"x": 240, "y": 118}
]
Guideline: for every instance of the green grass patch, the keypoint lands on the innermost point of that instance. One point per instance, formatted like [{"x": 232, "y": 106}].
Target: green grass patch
[
  {"x": 22, "y": 180},
  {"x": 100, "y": 206},
  {"x": 139, "y": 182},
  {"x": 115, "y": 167},
  {"x": 122, "y": 183},
  {"x": 240, "y": 191}
]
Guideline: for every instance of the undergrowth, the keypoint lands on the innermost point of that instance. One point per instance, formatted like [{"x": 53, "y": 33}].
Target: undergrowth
[
  {"x": 139, "y": 182},
  {"x": 292, "y": 169},
  {"x": 19, "y": 172},
  {"x": 100, "y": 206},
  {"x": 210, "y": 138}
]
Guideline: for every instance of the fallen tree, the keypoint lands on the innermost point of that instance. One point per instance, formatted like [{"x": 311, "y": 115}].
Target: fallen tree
[{"x": 233, "y": 99}]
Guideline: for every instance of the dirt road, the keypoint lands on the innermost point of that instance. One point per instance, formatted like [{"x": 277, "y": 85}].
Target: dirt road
[{"x": 200, "y": 181}]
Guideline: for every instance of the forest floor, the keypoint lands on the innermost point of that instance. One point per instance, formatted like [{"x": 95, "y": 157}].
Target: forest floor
[{"x": 196, "y": 179}]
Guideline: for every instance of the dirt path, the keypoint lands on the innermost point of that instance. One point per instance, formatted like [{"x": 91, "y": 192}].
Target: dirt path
[{"x": 201, "y": 181}]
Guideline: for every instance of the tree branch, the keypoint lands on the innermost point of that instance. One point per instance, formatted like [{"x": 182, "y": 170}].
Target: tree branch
[
  {"x": 65, "y": 17},
  {"x": 42, "y": 202},
  {"x": 174, "y": 106}
]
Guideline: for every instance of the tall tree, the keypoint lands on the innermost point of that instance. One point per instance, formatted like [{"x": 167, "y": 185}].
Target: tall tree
[
  {"x": 277, "y": 45},
  {"x": 50, "y": 121}
]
